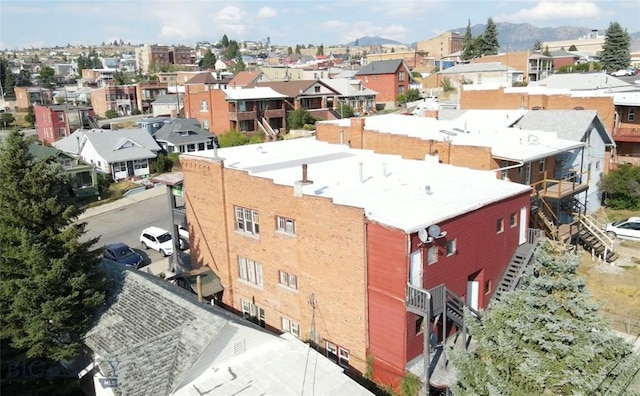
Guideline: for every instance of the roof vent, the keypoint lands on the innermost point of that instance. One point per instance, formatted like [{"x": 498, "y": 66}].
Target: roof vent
[{"x": 427, "y": 190}]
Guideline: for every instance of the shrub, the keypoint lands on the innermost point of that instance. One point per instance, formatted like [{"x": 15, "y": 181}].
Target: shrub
[
  {"x": 233, "y": 138},
  {"x": 110, "y": 114},
  {"x": 299, "y": 117},
  {"x": 446, "y": 85},
  {"x": 162, "y": 164},
  {"x": 136, "y": 112}
]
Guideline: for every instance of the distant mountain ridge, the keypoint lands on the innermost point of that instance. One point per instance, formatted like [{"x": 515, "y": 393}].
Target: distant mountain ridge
[{"x": 511, "y": 36}]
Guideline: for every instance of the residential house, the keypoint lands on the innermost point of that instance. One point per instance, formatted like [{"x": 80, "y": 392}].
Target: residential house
[
  {"x": 626, "y": 130},
  {"x": 324, "y": 239},
  {"x": 29, "y": 96},
  {"x": 153, "y": 338},
  {"x": 120, "y": 153},
  {"x": 534, "y": 65},
  {"x": 259, "y": 109},
  {"x": 441, "y": 46},
  {"x": 247, "y": 78},
  {"x": 353, "y": 93},
  {"x": 495, "y": 74},
  {"x": 168, "y": 105},
  {"x": 54, "y": 122},
  {"x": 147, "y": 92},
  {"x": 181, "y": 135},
  {"x": 99, "y": 77},
  {"x": 82, "y": 177},
  {"x": 289, "y": 73},
  {"x": 389, "y": 78},
  {"x": 581, "y": 126},
  {"x": 564, "y": 59},
  {"x": 122, "y": 99}
]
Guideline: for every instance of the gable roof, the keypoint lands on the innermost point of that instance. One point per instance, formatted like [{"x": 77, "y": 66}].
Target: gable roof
[
  {"x": 569, "y": 124},
  {"x": 348, "y": 87},
  {"x": 167, "y": 99},
  {"x": 112, "y": 145},
  {"x": 477, "y": 68},
  {"x": 380, "y": 67},
  {"x": 202, "y": 78},
  {"x": 165, "y": 342},
  {"x": 244, "y": 78},
  {"x": 292, "y": 89},
  {"x": 182, "y": 131},
  {"x": 252, "y": 93},
  {"x": 38, "y": 151}
]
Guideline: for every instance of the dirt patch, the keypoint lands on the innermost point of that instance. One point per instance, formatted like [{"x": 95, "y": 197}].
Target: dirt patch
[{"x": 616, "y": 286}]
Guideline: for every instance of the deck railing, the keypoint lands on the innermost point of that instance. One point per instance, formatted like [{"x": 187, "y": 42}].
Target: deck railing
[{"x": 558, "y": 188}]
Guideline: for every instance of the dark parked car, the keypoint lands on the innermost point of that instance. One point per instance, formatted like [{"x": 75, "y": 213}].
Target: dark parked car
[{"x": 123, "y": 254}]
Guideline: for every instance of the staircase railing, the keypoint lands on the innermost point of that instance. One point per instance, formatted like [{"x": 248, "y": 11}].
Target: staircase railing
[
  {"x": 596, "y": 230},
  {"x": 267, "y": 126}
]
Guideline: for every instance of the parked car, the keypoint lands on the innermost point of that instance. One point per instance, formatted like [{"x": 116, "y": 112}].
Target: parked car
[
  {"x": 122, "y": 254},
  {"x": 157, "y": 239},
  {"x": 622, "y": 73},
  {"x": 624, "y": 229}
]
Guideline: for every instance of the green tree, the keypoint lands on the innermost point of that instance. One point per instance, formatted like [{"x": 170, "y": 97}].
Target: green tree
[
  {"x": 545, "y": 338},
  {"x": 6, "y": 120},
  {"x": 299, "y": 118},
  {"x": 621, "y": 187},
  {"x": 239, "y": 66},
  {"x": 47, "y": 77},
  {"x": 537, "y": 46},
  {"x": 110, "y": 113},
  {"x": 120, "y": 78},
  {"x": 573, "y": 48},
  {"x": 320, "y": 50},
  {"x": 231, "y": 51},
  {"x": 289, "y": 51},
  {"x": 208, "y": 61},
  {"x": 490, "y": 43},
  {"x": 546, "y": 51},
  {"x": 298, "y": 49},
  {"x": 468, "y": 50},
  {"x": 162, "y": 164},
  {"x": 410, "y": 95},
  {"x": 224, "y": 41},
  {"x": 616, "y": 48},
  {"x": 446, "y": 85},
  {"x": 30, "y": 117},
  {"x": 233, "y": 138},
  {"x": 50, "y": 281}
]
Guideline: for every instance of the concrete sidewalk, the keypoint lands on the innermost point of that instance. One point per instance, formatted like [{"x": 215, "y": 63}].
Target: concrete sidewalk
[{"x": 141, "y": 196}]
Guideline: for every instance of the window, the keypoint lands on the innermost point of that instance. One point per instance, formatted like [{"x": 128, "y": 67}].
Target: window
[
  {"x": 247, "y": 220},
  {"x": 401, "y": 90},
  {"x": 140, "y": 164},
  {"x": 598, "y": 164},
  {"x": 337, "y": 354},
  {"x": 62, "y": 132},
  {"x": 250, "y": 271},
  {"x": 631, "y": 115},
  {"x": 451, "y": 247},
  {"x": 191, "y": 148},
  {"x": 487, "y": 287},
  {"x": 205, "y": 125},
  {"x": 118, "y": 166},
  {"x": 419, "y": 325},
  {"x": 499, "y": 225},
  {"x": 316, "y": 89},
  {"x": 61, "y": 116},
  {"x": 65, "y": 162},
  {"x": 204, "y": 105},
  {"x": 252, "y": 312},
  {"x": 432, "y": 254},
  {"x": 291, "y": 327},
  {"x": 541, "y": 165},
  {"x": 401, "y": 76},
  {"x": 288, "y": 280},
  {"x": 285, "y": 225},
  {"x": 513, "y": 220}
]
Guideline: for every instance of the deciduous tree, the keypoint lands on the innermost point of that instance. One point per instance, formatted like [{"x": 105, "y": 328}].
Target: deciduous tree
[
  {"x": 546, "y": 338},
  {"x": 50, "y": 281},
  {"x": 47, "y": 77},
  {"x": 616, "y": 48},
  {"x": 621, "y": 188}
]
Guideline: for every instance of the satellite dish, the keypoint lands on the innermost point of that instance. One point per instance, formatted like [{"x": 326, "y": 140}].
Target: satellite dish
[
  {"x": 434, "y": 231},
  {"x": 423, "y": 235}
]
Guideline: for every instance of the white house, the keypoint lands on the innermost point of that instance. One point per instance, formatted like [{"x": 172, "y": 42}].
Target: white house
[
  {"x": 120, "y": 153},
  {"x": 491, "y": 73}
]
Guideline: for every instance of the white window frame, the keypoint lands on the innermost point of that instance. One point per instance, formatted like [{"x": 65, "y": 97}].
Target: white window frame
[
  {"x": 500, "y": 225},
  {"x": 631, "y": 114},
  {"x": 247, "y": 220},
  {"x": 290, "y": 326},
  {"x": 343, "y": 356},
  {"x": 62, "y": 132},
  {"x": 204, "y": 105},
  {"x": 542, "y": 166},
  {"x": 285, "y": 225},
  {"x": 452, "y": 247},
  {"x": 432, "y": 254},
  {"x": 513, "y": 220},
  {"x": 288, "y": 280},
  {"x": 119, "y": 166},
  {"x": 140, "y": 164},
  {"x": 250, "y": 271}
]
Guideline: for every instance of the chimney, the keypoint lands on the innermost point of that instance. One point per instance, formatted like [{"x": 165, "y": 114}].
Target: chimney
[
  {"x": 342, "y": 136},
  {"x": 298, "y": 185},
  {"x": 199, "y": 287}
]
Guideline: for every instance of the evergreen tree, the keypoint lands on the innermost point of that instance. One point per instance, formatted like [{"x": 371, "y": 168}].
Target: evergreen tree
[
  {"x": 537, "y": 46},
  {"x": 616, "y": 53},
  {"x": 298, "y": 52},
  {"x": 208, "y": 61},
  {"x": 573, "y": 48},
  {"x": 224, "y": 41},
  {"x": 30, "y": 117},
  {"x": 289, "y": 51},
  {"x": 320, "y": 50},
  {"x": 546, "y": 51},
  {"x": 50, "y": 282},
  {"x": 47, "y": 77},
  {"x": 468, "y": 51},
  {"x": 546, "y": 338},
  {"x": 490, "y": 43},
  {"x": 9, "y": 83},
  {"x": 239, "y": 66}
]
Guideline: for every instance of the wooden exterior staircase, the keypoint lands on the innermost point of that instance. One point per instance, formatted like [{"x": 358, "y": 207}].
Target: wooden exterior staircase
[{"x": 592, "y": 237}]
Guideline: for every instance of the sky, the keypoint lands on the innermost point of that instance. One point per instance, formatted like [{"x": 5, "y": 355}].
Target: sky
[{"x": 30, "y": 23}]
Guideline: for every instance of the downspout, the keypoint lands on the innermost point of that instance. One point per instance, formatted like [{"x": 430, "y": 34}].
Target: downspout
[{"x": 519, "y": 164}]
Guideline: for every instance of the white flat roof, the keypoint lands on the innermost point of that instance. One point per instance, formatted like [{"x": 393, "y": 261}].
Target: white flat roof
[
  {"x": 391, "y": 190},
  {"x": 252, "y": 93},
  {"x": 484, "y": 128}
]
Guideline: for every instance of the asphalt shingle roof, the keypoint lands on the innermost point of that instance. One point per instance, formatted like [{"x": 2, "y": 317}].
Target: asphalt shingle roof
[
  {"x": 182, "y": 131},
  {"x": 111, "y": 144},
  {"x": 380, "y": 67},
  {"x": 168, "y": 99},
  {"x": 569, "y": 124}
]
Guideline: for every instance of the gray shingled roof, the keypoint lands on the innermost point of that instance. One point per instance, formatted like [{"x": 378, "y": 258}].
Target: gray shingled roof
[
  {"x": 112, "y": 145},
  {"x": 167, "y": 99},
  {"x": 569, "y": 124},
  {"x": 183, "y": 131},
  {"x": 380, "y": 67}
]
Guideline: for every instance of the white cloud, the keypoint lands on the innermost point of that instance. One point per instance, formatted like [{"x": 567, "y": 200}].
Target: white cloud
[
  {"x": 267, "y": 12},
  {"x": 551, "y": 10},
  {"x": 333, "y": 24}
]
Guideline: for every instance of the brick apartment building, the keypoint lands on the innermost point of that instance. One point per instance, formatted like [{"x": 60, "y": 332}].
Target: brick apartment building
[
  {"x": 321, "y": 240},
  {"x": 55, "y": 122},
  {"x": 388, "y": 78},
  {"x": 441, "y": 46},
  {"x": 28, "y": 96},
  {"x": 149, "y": 56},
  {"x": 534, "y": 65}
]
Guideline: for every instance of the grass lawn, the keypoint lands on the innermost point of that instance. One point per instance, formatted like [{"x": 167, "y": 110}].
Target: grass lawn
[{"x": 116, "y": 191}]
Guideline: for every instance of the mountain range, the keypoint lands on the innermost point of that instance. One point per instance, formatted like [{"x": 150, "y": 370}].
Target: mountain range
[{"x": 511, "y": 36}]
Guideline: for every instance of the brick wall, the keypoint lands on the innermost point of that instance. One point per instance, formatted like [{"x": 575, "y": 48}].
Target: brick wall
[
  {"x": 327, "y": 254},
  {"x": 99, "y": 101},
  {"x": 218, "y": 113},
  {"x": 517, "y": 60}
]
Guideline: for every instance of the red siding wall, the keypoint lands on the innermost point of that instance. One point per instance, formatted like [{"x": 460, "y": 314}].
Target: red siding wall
[{"x": 386, "y": 283}]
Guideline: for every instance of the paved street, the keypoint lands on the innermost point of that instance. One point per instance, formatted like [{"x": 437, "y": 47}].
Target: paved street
[{"x": 124, "y": 224}]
